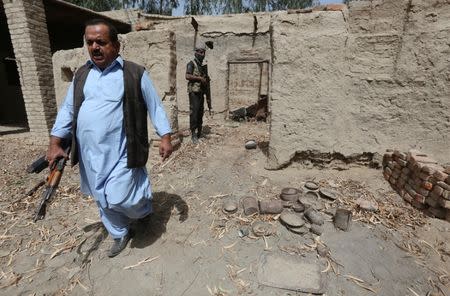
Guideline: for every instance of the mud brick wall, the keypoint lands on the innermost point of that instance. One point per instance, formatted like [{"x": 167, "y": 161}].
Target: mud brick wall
[
  {"x": 419, "y": 180},
  {"x": 29, "y": 36},
  {"x": 370, "y": 77}
]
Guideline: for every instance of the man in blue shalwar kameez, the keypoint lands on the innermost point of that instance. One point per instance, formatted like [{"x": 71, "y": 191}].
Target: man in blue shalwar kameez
[{"x": 99, "y": 114}]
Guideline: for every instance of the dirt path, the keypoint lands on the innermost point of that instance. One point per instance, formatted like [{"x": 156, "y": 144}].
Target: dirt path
[{"x": 190, "y": 247}]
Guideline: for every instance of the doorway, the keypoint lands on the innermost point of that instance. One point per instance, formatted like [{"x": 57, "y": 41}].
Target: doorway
[
  {"x": 248, "y": 89},
  {"x": 12, "y": 106}
]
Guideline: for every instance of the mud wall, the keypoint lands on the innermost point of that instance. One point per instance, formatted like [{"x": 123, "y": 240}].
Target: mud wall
[
  {"x": 361, "y": 80},
  {"x": 308, "y": 98},
  {"x": 236, "y": 37},
  {"x": 343, "y": 83}
]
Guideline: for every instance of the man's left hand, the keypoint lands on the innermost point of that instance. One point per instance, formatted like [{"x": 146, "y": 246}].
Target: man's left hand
[{"x": 165, "y": 147}]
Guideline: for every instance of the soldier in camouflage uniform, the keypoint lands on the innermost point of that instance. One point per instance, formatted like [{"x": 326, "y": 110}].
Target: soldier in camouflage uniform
[{"x": 197, "y": 76}]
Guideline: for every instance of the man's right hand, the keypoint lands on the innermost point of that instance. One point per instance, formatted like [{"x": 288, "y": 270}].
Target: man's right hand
[{"x": 55, "y": 151}]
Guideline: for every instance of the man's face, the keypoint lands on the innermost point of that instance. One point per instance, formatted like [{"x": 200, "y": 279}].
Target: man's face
[
  {"x": 200, "y": 54},
  {"x": 101, "y": 49}
]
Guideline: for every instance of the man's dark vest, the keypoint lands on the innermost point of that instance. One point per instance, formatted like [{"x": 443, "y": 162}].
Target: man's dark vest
[{"x": 134, "y": 113}]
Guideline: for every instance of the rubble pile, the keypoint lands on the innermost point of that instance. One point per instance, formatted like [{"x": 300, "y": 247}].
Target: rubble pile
[{"x": 419, "y": 180}]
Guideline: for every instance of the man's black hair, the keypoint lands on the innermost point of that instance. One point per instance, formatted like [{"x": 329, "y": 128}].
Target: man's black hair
[{"x": 112, "y": 30}]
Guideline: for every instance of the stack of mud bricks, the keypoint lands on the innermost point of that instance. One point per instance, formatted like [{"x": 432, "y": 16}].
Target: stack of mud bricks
[{"x": 419, "y": 180}]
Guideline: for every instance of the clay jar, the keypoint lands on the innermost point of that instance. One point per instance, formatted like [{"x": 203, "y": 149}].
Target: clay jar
[{"x": 289, "y": 194}]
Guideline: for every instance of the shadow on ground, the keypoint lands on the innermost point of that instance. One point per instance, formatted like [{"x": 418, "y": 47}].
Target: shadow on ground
[
  {"x": 264, "y": 146},
  {"x": 92, "y": 241},
  {"x": 149, "y": 230}
]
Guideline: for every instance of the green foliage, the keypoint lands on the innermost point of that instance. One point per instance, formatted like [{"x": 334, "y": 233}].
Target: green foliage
[
  {"x": 195, "y": 7},
  {"x": 149, "y": 6},
  {"x": 152, "y": 6},
  {"x": 240, "y": 6}
]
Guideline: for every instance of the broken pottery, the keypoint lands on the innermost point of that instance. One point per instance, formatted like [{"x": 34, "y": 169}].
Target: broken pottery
[
  {"x": 250, "y": 205},
  {"x": 316, "y": 229},
  {"x": 328, "y": 193},
  {"x": 262, "y": 228},
  {"x": 229, "y": 206},
  {"x": 314, "y": 216},
  {"x": 270, "y": 206},
  {"x": 311, "y": 199},
  {"x": 289, "y": 194},
  {"x": 298, "y": 230},
  {"x": 311, "y": 185},
  {"x": 289, "y": 191},
  {"x": 311, "y": 194},
  {"x": 343, "y": 219},
  {"x": 287, "y": 204},
  {"x": 291, "y": 219},
  {"x": 298, "y": 207}
]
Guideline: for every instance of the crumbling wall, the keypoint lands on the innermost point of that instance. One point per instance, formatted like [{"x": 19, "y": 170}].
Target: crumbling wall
[
  {"x": 400, "y": 71},
  {"x": 310, "y": 106},
  {"x": 65, "y": 64},
  {"x": 153, "y": 49},
  {"x": 344, "y": 83},
  {"x": 238, "y": 36},
  {"x": 130, "y": 16},
  {"x": 378, "y": 77}
]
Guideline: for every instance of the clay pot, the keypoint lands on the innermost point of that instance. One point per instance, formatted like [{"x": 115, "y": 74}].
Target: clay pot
[
  {"x": 270, "y": 206},
  {"x": 343, "y": 219},
  {"x": 289, "y": 194}
]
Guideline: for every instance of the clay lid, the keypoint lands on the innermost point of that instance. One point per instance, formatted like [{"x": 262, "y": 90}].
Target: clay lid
[
  {"x": 328, "y": 193},
  {"x": 230, "y": 206},
  {"x": 311, "y": 185},
  {"x": 298, "y": 207},
  {"x": 291, "y": 219},
  {"x": 311, "y": 194},
  {"x": 262, "y": 228},
  {"x": 299, "y": 230}
]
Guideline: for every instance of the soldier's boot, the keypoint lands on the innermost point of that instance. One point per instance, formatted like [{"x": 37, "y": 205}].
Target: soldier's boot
[{"x": 194, "y": 137}]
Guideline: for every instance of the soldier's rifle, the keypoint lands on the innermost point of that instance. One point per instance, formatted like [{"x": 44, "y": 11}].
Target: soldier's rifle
[
  {"x": 207, "y": 87},
  {"x": 51, "y": 183}
]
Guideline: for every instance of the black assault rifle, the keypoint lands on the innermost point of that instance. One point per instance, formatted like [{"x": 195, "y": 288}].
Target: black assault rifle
[
  {"x": 52, "y": 182},
  {"x": 207, "y": 86}
]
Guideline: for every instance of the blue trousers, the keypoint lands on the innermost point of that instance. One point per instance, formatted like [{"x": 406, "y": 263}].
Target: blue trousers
[{"x": 117, "y": 218}]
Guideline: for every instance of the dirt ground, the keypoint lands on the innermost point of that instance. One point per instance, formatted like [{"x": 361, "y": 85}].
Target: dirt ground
[{"x": 189, "y": 246}]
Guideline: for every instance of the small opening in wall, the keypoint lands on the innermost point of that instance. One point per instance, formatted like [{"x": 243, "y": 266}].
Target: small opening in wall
[
  {"x": 12, "y": 76},
  {"x": 66, "y": 74}
]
